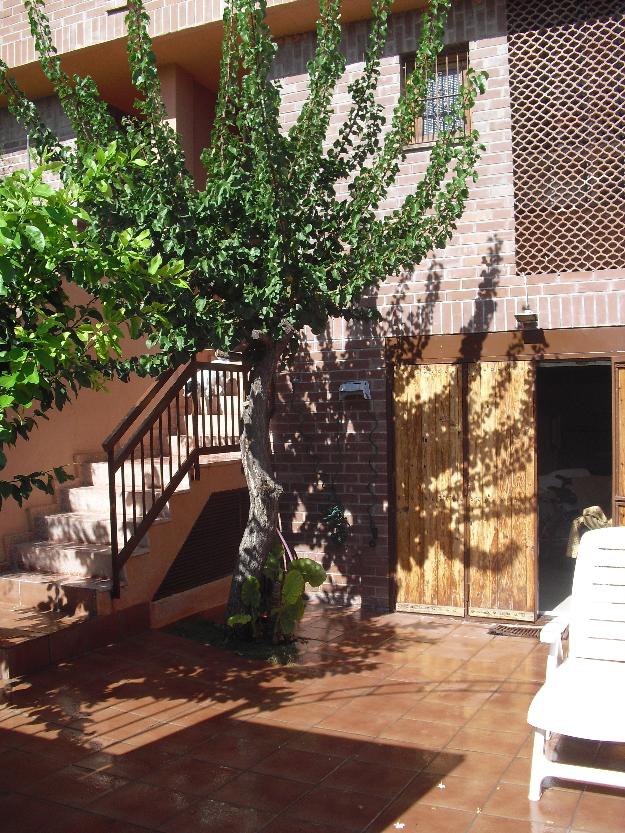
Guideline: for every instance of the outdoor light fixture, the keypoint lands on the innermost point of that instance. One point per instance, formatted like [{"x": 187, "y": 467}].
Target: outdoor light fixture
[
  {"x": 355, "y": 389},
  {"x": 527, "y": 319}
]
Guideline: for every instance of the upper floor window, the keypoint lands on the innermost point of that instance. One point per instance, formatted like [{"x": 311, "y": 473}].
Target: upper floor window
[{"x": 442, "y": 92}]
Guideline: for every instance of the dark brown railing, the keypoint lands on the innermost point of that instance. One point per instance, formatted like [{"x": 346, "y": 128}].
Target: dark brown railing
[{"x": 198, "y": 414}]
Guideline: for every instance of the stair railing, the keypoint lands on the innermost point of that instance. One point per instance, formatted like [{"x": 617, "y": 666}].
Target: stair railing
[{"x": 198, "y": 414}]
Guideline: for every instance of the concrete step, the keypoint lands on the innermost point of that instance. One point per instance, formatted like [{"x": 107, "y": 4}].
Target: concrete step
[
  {"x": 219, "y": 424},
  {"x": 87, "y": 499},
  {"x": 66, "y": 558},
  {"x": 209, "y": 442},
  {"x": 32, "y": 639},
  {"x": 84, "y": 528},
  {"x": 229, "y": 388},
  {"x": 94, "y": 500},
  {"x": 96, "y": 474},
  {"x": 55, "y": 592},
  {"x": 29, "y": 637},
  {"x": 80, "y": 458}
]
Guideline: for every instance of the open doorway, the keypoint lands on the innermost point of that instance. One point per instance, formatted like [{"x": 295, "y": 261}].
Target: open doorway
[{"x": 574, "y": 437}]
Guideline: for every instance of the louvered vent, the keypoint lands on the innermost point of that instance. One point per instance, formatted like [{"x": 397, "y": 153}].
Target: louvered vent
[
  {"x": 210, "y": 550},
  {"x": 567, "y": 82}
]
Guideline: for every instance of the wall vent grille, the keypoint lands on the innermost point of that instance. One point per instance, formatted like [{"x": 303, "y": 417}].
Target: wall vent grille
[{"x": 211, "y": 547}]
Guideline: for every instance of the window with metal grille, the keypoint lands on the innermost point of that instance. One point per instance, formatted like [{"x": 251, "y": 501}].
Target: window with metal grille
[{"x": 442, "y": 92}]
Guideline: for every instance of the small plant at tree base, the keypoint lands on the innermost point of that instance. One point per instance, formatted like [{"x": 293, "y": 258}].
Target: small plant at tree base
[
  {"x": 275, "y": 603},
  {"x": 272, "y": 244}
]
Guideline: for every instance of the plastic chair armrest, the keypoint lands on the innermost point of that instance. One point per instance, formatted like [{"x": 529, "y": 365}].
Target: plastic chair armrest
[{"x": 552, "y": 634}]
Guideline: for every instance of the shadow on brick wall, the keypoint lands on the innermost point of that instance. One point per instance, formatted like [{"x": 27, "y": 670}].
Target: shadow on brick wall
[{"x": 333, "y": 452}]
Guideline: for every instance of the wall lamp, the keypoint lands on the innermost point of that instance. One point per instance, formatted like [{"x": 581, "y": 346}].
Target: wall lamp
[
  {"x": 527, "y": 319},
  {"x": 356, "y": 390}
]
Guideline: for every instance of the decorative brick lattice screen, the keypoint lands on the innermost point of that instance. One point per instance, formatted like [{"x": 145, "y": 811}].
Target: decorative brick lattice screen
[{"x": 567, "y": 80}]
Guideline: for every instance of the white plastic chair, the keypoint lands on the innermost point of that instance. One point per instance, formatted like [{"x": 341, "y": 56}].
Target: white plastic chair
[{"x": 584, "y": 694}]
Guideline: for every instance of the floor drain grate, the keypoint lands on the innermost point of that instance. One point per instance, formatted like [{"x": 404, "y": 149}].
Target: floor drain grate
[{"x": 529, "y": 631}]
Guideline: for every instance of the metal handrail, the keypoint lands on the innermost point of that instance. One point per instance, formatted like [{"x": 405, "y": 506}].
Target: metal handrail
[
  {"x": 123, "y": 426},
  {"x": 205, "y": 403}
]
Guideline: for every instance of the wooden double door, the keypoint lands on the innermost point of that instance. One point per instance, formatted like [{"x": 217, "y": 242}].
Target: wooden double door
[{"x": 465, "y": 472}]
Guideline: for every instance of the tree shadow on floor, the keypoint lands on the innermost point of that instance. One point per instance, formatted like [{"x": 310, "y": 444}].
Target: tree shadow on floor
[{"x": 158, "y": 726}]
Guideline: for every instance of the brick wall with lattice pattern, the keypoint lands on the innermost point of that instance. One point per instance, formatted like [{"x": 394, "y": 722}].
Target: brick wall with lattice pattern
[{"x": 567, "y": 64}]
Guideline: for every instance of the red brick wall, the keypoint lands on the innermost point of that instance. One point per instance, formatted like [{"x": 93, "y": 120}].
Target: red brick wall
[
  {"x": 80, "y": 23},
  {"x": 471, "y": 286}
]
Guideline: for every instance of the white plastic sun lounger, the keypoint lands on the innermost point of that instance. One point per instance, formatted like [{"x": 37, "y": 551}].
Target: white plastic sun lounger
[{"x": 584, "y": 694}]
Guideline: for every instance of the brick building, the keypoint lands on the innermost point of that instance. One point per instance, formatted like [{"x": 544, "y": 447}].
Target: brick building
[
  {"x": 475, "y": 429},
  {"x": 484, "y": 438}
]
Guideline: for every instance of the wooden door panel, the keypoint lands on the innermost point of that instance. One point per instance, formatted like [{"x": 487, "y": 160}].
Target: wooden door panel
[
  {"x": 429, "y": 488},
  {"x": 501, "y": 486}
]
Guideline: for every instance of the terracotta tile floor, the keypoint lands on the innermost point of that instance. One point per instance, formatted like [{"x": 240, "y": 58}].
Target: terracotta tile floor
[{"x": 389, "y": 723}]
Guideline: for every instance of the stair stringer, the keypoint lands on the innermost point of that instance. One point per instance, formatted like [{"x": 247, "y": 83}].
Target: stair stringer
[{"x": 145, "y": 575}]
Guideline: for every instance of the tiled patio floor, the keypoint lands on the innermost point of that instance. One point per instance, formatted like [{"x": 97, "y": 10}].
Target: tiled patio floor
[{"x": 391, "y": 723}]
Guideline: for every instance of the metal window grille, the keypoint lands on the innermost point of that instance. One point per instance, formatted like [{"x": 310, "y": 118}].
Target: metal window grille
[
  {"x": 567, "y": 84},
  {"x": 442, "y": 92}
]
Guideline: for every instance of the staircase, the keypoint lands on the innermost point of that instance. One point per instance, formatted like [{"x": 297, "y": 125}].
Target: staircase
[{"x": 67, "y": 587}]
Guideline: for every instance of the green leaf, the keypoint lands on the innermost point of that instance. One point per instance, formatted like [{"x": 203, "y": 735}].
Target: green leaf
[
  {"x": 250, "y": 592},
  {"x": 155, "y": 264},
  {"x": 290, "y": 615},
  {"x": 45, "y": 360},
  {"x": 105, "y": 188},
  {"x": 311, "y": 571},
  {"x": 8, "y": 381},
  {"x": 36, "y": 237},
  {"x": 239, "y": 619},
  {"x": 273, "y": 565},
  {"x": 61, "y": 475},
  {"x": 31, "y": 376},
  {"x": 293, "y": 587}
]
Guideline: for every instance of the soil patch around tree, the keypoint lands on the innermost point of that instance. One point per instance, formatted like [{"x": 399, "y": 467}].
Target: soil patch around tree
[{"x": 207, "y": 632}]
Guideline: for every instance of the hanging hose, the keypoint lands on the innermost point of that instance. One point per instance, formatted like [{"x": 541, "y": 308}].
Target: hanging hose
[{"x": 373, "y": 529}]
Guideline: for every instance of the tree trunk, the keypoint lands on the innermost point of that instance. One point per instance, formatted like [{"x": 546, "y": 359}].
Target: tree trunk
[{"x": 257, "y": 463}]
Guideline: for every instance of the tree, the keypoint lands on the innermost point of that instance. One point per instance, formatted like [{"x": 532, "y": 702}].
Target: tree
[
  {"x": 50, "y": 347},
  {"x": 269, "y": 246}
]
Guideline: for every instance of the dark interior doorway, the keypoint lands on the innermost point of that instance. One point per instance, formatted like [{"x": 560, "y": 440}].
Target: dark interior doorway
[{"x": 574, "y": 436}]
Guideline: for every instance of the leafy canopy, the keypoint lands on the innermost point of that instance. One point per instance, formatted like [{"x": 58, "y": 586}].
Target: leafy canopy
[
  {"x": 50, "y": 347},
  {"x": 269, "y": 244}
]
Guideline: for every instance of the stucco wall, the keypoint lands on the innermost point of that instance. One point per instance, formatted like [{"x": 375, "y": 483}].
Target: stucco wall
[{"x": 79, "y": 429}]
